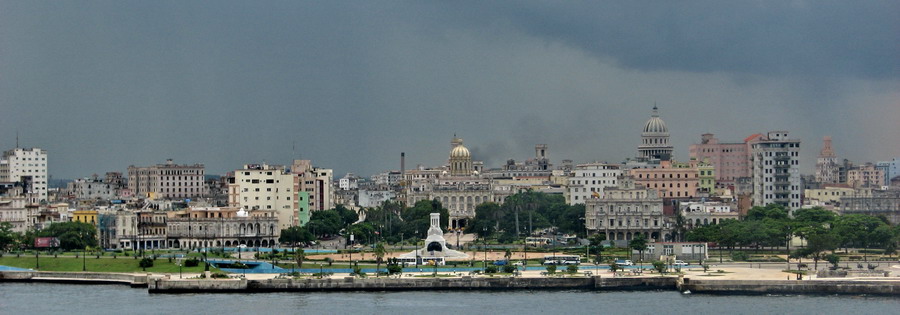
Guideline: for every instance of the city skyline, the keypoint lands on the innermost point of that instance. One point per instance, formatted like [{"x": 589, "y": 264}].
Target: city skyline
[{"x": 350, "y": 86}]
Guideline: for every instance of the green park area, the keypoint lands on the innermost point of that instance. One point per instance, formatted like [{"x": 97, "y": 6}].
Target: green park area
[{"x": 91, "y": 263}]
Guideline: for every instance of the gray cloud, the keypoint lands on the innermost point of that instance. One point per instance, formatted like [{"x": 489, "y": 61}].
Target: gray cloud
[{"x": 106, "y": 84}]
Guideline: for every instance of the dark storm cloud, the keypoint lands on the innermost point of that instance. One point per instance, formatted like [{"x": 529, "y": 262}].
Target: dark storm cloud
[
  {"x": 105, "y": 84},
  {"x": 802, "y": 38}
]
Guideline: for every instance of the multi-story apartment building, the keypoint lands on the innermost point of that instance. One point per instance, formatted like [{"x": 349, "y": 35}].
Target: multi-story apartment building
[
  {"x": 775, "y": 159},
  {"x": 167, "y": 181},
  {"x": 673, "y": 180},
  {"x": 730, "y": 160},
  {"x": 265, "y": 187},
  {"x": 589, "y": 180},
  {"x": 28, "y": 166},
  {"x": 91, "y": 188},
  {"x": 626, "y": 211},
  {"x": 866, "y": 175},
  {"x": 314, "y": 189}
]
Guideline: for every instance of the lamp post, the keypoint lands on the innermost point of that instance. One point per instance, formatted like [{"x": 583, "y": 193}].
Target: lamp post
[
  {"x": 415, "y": 248},
  {"x": 84, "y": 260},
  {"x": 37, "y": 260},
  {"x": 484, "y": 245}
]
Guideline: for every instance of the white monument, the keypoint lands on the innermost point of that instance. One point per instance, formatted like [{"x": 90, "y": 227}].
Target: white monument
[{"x": 435, "y": 245}]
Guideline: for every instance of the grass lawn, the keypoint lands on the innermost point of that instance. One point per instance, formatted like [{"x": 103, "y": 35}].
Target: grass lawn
[{"x": 123, "y": 264}]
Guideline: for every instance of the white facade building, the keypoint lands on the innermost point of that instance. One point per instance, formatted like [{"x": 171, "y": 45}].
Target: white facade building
[
  {"x": 589, "y": 180},
  {"x": 775, "y": 160},
  {"x": 29, "y": 166}
]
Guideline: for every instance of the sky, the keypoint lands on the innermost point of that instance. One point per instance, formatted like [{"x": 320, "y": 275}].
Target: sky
[{"x": 103, "y": 85}]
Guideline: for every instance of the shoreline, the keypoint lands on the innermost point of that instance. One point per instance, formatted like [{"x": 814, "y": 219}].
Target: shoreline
[{"x": 156, "y": 284}]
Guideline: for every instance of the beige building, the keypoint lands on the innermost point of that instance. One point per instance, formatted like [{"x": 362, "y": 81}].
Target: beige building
[
  {"x": 867, "y": 176},
  {"x": 730, "y": 160},
  {"x": 167, "y": 181},
  {"x": 316, "y": 182},
  {"x": 702, "y": 213},
  {"x": 265, "y": 187},
  {"x": 27, "y": 166}
]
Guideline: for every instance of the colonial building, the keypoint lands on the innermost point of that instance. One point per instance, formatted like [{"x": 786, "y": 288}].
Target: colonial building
[
  {"x": 775, "y": 159},
  {"x": 702, "y": 213},
  {"x": 655, "y": 139},
  {"x": 205, "y": 227},
  {"x": 627, "y": 211},
  {"x": 167, "y": 181}
]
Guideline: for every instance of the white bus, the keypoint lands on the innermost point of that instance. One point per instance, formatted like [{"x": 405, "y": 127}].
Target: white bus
[{"x": 562, "y": 260}]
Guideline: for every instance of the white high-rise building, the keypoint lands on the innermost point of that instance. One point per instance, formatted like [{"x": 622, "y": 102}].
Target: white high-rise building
[
  {"x": 775, "y": 160},
  {"x": 28, "y": 166},
  {"x": 589, "y": 180}
]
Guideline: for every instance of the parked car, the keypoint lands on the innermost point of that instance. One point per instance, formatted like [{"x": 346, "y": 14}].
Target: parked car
[
  {"x": 500, "y": 263},
  {"x": 680, "y": 263},
  {"x": 519, "y": 263},
  {"x": 624, "y": 262}
]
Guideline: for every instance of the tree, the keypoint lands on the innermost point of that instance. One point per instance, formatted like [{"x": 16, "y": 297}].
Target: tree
[
  {"x": 72, "y": 235},
  {"x": 639, "y": 243},
  {"x": 299, "y": 256},
  {"x": 860, "y": 230},
  {"x": 507, "y": 254},
  {"x": 596, "y": 243},
  {"x": 821, "y": 241},
  {"x": 7, "y": 236},
  {"x": 296, "y": 235},
  {"x": 572, "y": 269},
  {"x": 551, "y": 269},
  {"x": 146, "y": 263},
  {"x": 379, "y": 255}
]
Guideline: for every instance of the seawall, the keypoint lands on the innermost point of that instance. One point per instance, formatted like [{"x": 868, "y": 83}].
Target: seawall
[
  {"x": 875, "y": 287},
  {"x": 369, "y": 284},
  {"x": 134, "y": 280}
]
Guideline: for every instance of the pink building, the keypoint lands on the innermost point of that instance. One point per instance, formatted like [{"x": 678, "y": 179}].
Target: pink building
[{"x": 730, "y": 160}]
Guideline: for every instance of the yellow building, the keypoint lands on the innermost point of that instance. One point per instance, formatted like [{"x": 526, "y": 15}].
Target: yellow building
[{"x": 85, "y": 216}]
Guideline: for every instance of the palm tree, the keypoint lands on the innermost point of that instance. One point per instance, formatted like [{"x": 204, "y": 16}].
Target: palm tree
[
  {"x": 639, "y": 243},
  {"x": 299, "y": 256},
  {"x": 507, "y": 254},
  {"x": 379, "y": 255}
]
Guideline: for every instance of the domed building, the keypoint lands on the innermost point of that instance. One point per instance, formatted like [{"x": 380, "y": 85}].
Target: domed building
[
  {"x": 460, "y": 158},
  {"x": 655, "y": 139}
]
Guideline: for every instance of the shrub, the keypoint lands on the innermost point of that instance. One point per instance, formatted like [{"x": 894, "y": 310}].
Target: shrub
[
  {"x": 509, "y": 269},
  {"x": 659, "y": 266},
  {"x": 394, "y": 269},
  {"x": 833, "y": 259},
  {"x": 614, "y": 267},
  {"x": 551, "y": 269},
  {"x": 193, "y": 262},
  {"x": 572, "y": 269},
  {"x": 739, "y": 256},
  {"x": 490, "y": 269},
  {"x": 146, "y": 263},
  {"x": 219, "y": 275}
]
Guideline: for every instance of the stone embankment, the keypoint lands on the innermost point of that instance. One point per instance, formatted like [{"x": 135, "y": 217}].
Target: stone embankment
[
  {"x": 883, "y": 286},
  {"x": 135, "y": 280},
  {"x": 875, "y": 287}
]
